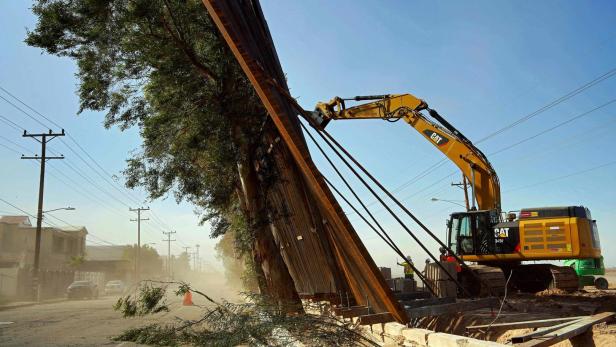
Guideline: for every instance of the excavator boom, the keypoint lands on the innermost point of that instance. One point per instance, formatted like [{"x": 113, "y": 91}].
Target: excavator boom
[
  {"x": 446, "y": 138},
  {"x": 480, "y": 234}
]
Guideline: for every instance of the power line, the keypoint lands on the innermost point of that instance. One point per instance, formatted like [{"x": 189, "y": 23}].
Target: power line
[
  {"x": 9, "y": 148},
  {"x": 28, "y": 106},
  {"x": 455, "y": 171},
  {"x": 553, "y": 103},
  {"x": 105, "y": 174},
  {"x": 563, "y": 177},
  {"x": 24, "y": 112},
  {"x": 15, "y": 143},
  {"x": 77, "y": 171},
  {"x": 583, "y": 114},
  {"x": 567, "y": 141},
  {"x": 10, "y": 123},
  {"x": 23, "y": 211},
  {"x": 98, "y": 243},
  {"x": 54, "y": 123},
  {"x": 83, "y": 192},
  {"x": 89, "y": 179},
  {"x": 17, "y": 208},
  {"x": 126, "y": 191},
  {"x": 77, "y": 227},
  {"x": 97, "y": 171}
]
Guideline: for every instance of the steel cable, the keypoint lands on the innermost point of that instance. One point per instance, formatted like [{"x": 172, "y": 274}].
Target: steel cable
[
  {"x": 393, "y": 214},
  {"x": 384, "y": 236}
]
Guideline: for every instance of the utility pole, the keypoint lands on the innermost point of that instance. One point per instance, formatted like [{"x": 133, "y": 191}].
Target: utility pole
[
  {"x": 42, "y": 138},
  {"x": 138, "y": 253},
  {"x": 169, "y": 265},
  {"x": 197, "y": 258},
  {"x": 187, "y": 256},
  {"x": 464, "y": 186}
]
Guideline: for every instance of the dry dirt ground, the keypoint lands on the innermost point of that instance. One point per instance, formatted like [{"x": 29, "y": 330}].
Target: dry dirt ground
[
  {"x": 610, "y": 274},
  {"x": 94, "y": 322},
  {"x": 75, "y": 323},
  {"x": 523, "y": 307}
]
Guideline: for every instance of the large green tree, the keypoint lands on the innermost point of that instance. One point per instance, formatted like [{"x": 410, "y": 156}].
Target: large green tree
[{"x": 162, "y": 66}]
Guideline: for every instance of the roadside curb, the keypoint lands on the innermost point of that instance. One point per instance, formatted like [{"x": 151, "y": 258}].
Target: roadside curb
[{"x": 29, "y": 303}]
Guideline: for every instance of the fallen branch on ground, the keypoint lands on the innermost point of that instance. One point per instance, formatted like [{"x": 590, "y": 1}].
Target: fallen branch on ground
[{"x": 255, "y": 322}]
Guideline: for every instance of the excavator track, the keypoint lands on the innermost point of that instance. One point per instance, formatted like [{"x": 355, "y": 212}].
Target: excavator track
[
  {"x": 535, "y": 278},
  {"x": 488, "y": 281}
]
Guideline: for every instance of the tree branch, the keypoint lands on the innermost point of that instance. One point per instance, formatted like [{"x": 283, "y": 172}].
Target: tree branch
[{"x": 190, "y": 54}]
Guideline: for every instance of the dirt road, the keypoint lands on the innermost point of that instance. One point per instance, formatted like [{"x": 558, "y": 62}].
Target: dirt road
[{"x": 74, "y": 323}]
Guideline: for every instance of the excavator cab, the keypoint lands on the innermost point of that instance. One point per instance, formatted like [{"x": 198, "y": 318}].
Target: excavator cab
[{"x": 472, "y": 232}]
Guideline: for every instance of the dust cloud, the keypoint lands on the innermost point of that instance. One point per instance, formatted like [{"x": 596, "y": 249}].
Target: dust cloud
[{"x": 227, "y": 284}]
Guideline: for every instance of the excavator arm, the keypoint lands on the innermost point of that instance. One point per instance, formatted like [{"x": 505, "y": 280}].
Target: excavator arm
[{"x": 447, "y": 139}]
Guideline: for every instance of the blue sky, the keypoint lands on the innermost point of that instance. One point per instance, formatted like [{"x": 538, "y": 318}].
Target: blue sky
[
  {"x": 481, "y": 64},
  {"x": 48, "y": 84}
]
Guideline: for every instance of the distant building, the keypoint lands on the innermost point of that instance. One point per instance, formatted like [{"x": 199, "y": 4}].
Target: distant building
[
  {"x": 110, "y": 260},
  {"x": 61, "y": 249},
  {"x": 59, "y": 246}
]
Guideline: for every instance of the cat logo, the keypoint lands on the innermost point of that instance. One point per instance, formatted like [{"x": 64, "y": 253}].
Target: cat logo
[
  {"x": 437, "y": 138},
  {"x": 501, "y": 233}
]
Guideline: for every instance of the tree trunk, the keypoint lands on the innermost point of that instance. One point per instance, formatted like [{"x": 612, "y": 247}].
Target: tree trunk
[{"x": 275, "y": 281}]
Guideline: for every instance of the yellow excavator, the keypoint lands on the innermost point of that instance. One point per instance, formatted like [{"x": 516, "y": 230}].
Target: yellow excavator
[{"x": 496, "y": 242}]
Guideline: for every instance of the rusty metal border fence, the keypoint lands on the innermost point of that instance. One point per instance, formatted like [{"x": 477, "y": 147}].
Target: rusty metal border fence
[{"x": 245, "y": 30}]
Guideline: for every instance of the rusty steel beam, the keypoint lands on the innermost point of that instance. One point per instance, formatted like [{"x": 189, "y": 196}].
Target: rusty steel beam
[{"x": 243, "y": 27}]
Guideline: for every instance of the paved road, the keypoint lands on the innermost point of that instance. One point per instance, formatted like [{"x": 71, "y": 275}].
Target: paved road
[{"x": 73, "y": 323}]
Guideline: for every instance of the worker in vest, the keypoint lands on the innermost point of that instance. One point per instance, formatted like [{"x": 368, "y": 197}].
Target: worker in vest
[
  {"x": 408, "y": 269},
  {"x": 445, "y": 256}
]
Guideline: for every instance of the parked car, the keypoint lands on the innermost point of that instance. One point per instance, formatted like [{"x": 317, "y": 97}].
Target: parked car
[
  {"x": 82, "y": 289},
  {"x": 115, "y": 287}
]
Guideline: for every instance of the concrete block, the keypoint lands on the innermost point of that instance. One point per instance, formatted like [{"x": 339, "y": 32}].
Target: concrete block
[
  {"x": 391, "y": 283},
  {"x": 393, "y": 333},
  {"x": 448, "y": 340},
  {"x": 386, "y": 272},
  {"x": 405, "y": 285},
  {"x": 394, "y": 328},
  {"x": 378, "y": 330},
  {"x": 418, "y": 337},
  {"x": 481, "y": 343}
]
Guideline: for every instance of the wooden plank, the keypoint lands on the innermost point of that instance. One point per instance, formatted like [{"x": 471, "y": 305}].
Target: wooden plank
[
  {"x": 376, "y": 318},
  {"x": 529, "y": 324},
  {"x": 412, "y": 296},
  {"x": 541, "y": 333},
  {"x": 245, "y": 30},
  {"x": 568, "y": 332},
  {"x": 331, "y": 297},
  {"x": 438, "y": 310},
  {"x": 354, "y": 311},
  {"x": 410, "y": 304}
]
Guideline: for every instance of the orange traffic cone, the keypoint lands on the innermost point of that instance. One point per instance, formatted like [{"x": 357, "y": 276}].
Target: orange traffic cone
[{"x": 187, "y": 299}]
